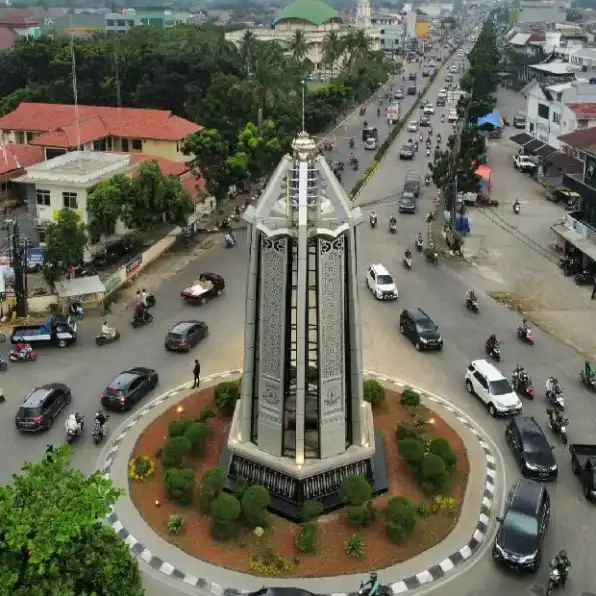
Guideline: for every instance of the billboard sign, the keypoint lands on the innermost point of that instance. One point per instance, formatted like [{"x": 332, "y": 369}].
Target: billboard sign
[
  {"x": 422, "y": 30},
  {"x": 590, "y": 172}
]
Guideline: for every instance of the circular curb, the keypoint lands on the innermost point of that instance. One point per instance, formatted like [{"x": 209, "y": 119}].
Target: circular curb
[{"x": 426, "y": 576}]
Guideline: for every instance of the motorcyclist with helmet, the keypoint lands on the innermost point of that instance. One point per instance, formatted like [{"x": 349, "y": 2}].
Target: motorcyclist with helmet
[
  {"x": 562, "y": 564},
  {"x": 24, "y": 350},
  {"x": 74, "y": 424},
  {"x": 419, "y": 240},
  {"x": 470, "y": 297},
  {"x": 587, "y": 371},
  {"x": 108, "y": 332},
  {"x": 556, "y": 419},
  {"x": 525, "y": 326},
  {"x": 99, "y": 423},
  {"x": 372, "y": 585},
  {"x": 492, "y": 342},
  {"x": 393, "y": 221},
  {"x": 552, "y": 387}
]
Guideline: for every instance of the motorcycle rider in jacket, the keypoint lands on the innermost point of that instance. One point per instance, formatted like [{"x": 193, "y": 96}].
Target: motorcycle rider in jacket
[
  {"x": 24, "y": 349},
  {"x": 72, "y": 425},
  {"x": 556, "y": 419},
  {"x": 372, "y": 585},
  {"x": 470, "y": 297},
  {"x": 588, "y": 371},
  {"x": 562, "y": 564},
  {"x": 393, "y": 220},
  {"x": 492, "y": 342},
  {"x": 552, "y": 386},
  {"x": 107, "y": 331}
]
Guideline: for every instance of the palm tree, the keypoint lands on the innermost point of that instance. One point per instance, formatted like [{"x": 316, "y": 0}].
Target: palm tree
[
  {"x": 299, "y": 46},
  {"x": 248, "y": 48},
  {"x": 357, "y": 45},
  {"x": 332, "y": 49}
]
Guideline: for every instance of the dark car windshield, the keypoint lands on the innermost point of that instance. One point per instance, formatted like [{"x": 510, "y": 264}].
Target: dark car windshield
[
  {"x": 384, "y": 280},
  {"x": 520, "y": 523},
  {"x": 535, "y": 443},
  {"x": 426, "y": 326},
  {"x": 407, "y": 200},
  {"x": 29, "y": 412},
  {"x": 500, "y": 387}
]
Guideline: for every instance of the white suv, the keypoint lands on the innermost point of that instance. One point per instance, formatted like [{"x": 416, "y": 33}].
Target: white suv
[
  {"x": 492, "y": 387},
  {"x": 381, "y": 283}
]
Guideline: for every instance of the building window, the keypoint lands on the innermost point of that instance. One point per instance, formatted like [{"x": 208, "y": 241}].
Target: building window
[
  {"x": 543, "y": 111},
  {"x": 137, "y": 145},
  {"x": 556, "y": 118},
  {"x": 121, "y": 23},
  {"x": 559, "y": 97},
  {"x": 43, "y": 197},
  {"x": 124, "y": 145},
  {"x": 382, "y": 31},
  {"x": 130, "y": 23},
  {"x": 109, "y": 143},
  {"x": 531, "y": 127},
  {"x": 30, "y": 136},
  {"x": 99, "y": 145},
  {"x": 70, "y": 200},
  {"x": 110, "y": 22}
]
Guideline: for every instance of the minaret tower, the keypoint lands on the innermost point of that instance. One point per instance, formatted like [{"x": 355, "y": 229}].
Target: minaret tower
[
  {"x": 363, "y": 14},
  {"x": 301, "y": 425}
]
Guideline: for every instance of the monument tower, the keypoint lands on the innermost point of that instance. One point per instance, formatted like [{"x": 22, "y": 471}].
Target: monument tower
[{"x": 301, "y": 425}]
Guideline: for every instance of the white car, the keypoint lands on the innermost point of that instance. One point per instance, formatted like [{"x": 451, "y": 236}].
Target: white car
[
  {"x": 453, "y": 68},
  {"x": 492, "y": 388},
  {"x": 429, "y": 109},
  {"x": 381, "y": 283},
  {"x": 413, "y": 126},
  {"x": 452, "y": 116}
]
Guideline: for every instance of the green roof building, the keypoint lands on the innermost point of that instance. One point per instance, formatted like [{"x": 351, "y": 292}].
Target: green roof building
[{"x": 309, "y": 12}]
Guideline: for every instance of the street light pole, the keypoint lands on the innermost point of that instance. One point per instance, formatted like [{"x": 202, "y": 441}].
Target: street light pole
[{"x": 18, "y": 265}]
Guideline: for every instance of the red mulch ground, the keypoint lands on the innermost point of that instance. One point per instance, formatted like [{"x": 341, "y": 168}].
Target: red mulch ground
[{"x": 334, "y": 530}]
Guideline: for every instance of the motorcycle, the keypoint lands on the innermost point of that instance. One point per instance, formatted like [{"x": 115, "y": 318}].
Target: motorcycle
[
  {"x": 428, "y": 152},
  {"x": 558, "y": 429},
  {"x": 472, "y": 305},
  {"x": 229, "y": 241},
  {"x": 516, "y": 208},
  {"x": 99, "y": 432},
  {"x": 355, "y": 165},
  {"x": 570, "y": 266},
  {"x": 352, "y": 143},
  {"x": 522, "y": 384},
  {"x": 71, "y": 435},
  {"x": 76, "y": 309},
  {"x": 419, "y": 245},
  {"x": 17, "y": 356},
  {"x": 493, "y": 350},
  {"x": 102, "y": 340},
  {"x": 588, "y": 380},
  {"x": 85, "y": 270},
  {"x": 432, "y": 256},
  {"x": 151, "y": 301},
  {"x": 442, "y": 118},
  {"x": 373, "y": 222},
  {"x": 427, "y": 180},
  {"x": 421, "y": 138},
  {"x": 392, "y": 227},
  {"x": 584, "y": 278},
  {"x": 525, "y": 336},
  {"x": 3, "y": 368},
  {"x": 142, "y": 321},
  {"x": 555, "y": 579},
  {"x": 555, "y": 398},
  {"x": 407, "y": 262}
]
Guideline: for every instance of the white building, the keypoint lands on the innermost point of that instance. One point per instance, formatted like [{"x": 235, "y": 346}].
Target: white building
[
  {"x": 541, "y": 11},
  {"x": 584, "y": 58},
  {"x": 556, "y": 110}
]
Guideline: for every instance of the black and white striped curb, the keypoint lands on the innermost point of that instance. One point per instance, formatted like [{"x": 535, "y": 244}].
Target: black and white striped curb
[{"x": 412, "y": 582}]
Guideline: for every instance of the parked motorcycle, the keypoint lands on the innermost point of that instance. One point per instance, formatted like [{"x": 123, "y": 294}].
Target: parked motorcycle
[
  {"x": 85, "y": 270},
  {"x": 493, "y": 350},
  {"x": 584, "y": 278},
  {"x": 526, "y": 336},
  {"x": 558, "y": 429},
  {"x": 588, "y": 380},
  {"x": 17, "y": 356},
  {"x": 142, "y": 321},
  {"x": 570, "y": 266},
  {"x": 102, "y": 340}
]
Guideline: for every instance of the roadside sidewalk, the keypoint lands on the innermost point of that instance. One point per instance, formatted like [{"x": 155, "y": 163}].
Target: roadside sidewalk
[{"x": 471, "y": 531}]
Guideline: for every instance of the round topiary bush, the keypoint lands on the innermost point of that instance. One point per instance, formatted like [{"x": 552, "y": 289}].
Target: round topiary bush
[
  {"x": 406, "y": 431},
  {"x": 177, "y": 428},
  {"x": 197, "y": 433},
  {"x": 412, "y": 450},
  {"x": 442, "y": 448},
  {"x": 173, "y": 450},
  {"x": 355, "y": 490},
  {"x": 226, "y": 395},
  {"x": 400, "y": 514},
  {"x": 410, "y": 398},
  {"x": 374, "y": 393},
  {"x": 212, "y": 484},
  {"x": 310, "y": 510},
  {"x": 432, "y": 467},
  {"x": 224, "y": 512},
  {"x": 255, "y": 501},
  {"x": 180, "y": 485}
]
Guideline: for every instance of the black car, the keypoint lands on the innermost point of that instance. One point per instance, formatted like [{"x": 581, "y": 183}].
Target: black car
[
  {"x": 41, "y": 407},
  {"x": 440, "y": 101},
  {"x": 407, "y": 203},
  {"x": 531, "y": 449},
  {"x": 114, "y": 252},
  {"x": 185, "y": 335},
  {"x": 412, "y": 76},
  {"x": 209, "y": 285},
  {"x": 407, "y": 151},
  {"x": 412, "y": 90},
  {"x": 424, "y": 121},
  {"x": 523, "y": 526},
  {"x": 420, "y": 329},
  {"x": 426, "y": 73},
  {"x": 129, "y": 387}
]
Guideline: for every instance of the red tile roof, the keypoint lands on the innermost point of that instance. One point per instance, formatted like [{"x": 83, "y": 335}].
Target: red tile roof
[
  {"x": 7, "y": 37},
  {"x": 66, "y": 136},
  {"x": 132, "y": 123},
  {"x": 19, "y": 20},
  {"x": 168, "y": 167},
  {"x": 13, "y": 157},
  {"x": 584, "y": 140},
  {"x": 191, "y": 185},
  {"x": 585, "y": 111}
]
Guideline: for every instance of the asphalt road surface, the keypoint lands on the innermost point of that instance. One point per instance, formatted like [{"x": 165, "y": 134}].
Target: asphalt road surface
[{"x": 439, "y": 291}]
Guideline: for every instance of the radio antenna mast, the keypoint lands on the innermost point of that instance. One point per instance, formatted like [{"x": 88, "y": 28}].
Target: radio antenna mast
[{"x": 74, "y": 88}]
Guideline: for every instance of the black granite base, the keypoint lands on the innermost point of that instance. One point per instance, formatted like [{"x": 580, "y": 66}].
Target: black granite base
[{"x": 288, "y": 494}]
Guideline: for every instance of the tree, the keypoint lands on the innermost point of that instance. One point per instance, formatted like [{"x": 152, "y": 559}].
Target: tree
[
  {"x": 105, "y": 201},
  {"x": 299, "y": 46},
  {"x": 66, "y": 239},
  {"x": 155, "y": 197},
  {"x": 53, "y": 540},
  {"x": 261, "y": 146},
  {"x": 332, "y": 49}
]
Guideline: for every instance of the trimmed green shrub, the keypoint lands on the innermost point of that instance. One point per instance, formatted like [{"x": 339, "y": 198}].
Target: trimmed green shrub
[
  {"x": 355, "y": 490},
  {"x": 180, "y": 484},
  {"x": 255, "y": 501},
  {"x": 226, "y": 395},
  {"x": 405, "y": 431},
  {"x": 197, "y": 433},
  {"x": 410, "y": 398},
  {"x": 212, "y": 484},
  {"x": 442, "y": 448},
  {"x": 177, "y": 428},
  {"x": 311, "y": 510},
  {"x": 173, "y": 450},
  {"x": 305, "y": 539},
  {"x": 374, "y": 393},
  {"x": 224, "y": 512},
  {"x": 361, "y": 515},
  {"x": 428, "y": 488},
  {"x": 400, "y": 514},
  {"x": 432, "y": 467},
  {"x": 207, "y": 412},
  {"x": 412, "y": 450}
]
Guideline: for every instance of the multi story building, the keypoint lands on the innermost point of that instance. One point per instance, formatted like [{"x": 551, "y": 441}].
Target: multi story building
[
  {"x": 584, "y": 58},
  {"x": 126, "y": 19},
  {"x": 556, "y": 110},
  {"x": 392, "y": 31},
  {"x": 16, "y": 25},
  {"x": 541, "y": 11},
  {"x": 60, "y": 128}
]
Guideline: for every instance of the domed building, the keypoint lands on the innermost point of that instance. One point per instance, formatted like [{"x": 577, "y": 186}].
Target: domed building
[{"x": 314, "y": 19}]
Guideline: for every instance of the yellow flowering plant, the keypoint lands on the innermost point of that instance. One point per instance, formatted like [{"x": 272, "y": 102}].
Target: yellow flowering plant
[{"x": 141, "y": 468}]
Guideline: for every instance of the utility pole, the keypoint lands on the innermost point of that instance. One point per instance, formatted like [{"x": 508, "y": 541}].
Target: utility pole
[
  {"x": 461, "y": 125},
  {"x": 18, "y": 259}
]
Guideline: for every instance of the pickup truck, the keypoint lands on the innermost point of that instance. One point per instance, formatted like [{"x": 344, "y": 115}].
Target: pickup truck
[
  {"x": 583, "y": 464},
  {"x": 524, "y": 163},
  {"x": 56, "y": 330}
]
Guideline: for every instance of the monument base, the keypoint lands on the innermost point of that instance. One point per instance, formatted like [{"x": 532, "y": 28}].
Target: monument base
[{"x": 289, "y": 489}]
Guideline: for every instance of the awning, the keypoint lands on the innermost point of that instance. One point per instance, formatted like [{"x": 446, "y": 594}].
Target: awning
[
  {"x": 522, "y": 138},
  {"x": 554, "y": 182},
  {"x": 493, "y": 119},
  {"x": 545, "y": 152},
  {"x": 532, "y": 146},
  {"x": 568, "y": 164},
  {"x": 484, "y": 172},
  {"x": 80, "y": 286},
  {"x": 583, "y": 244}
]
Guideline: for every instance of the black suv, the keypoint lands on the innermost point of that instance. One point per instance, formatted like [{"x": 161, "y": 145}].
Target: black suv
[
  {"x": 531, "y": 449},
  {"x": 523, "y": 526},
  {"x": 114, "y": 252},
  {"x": 420, "y": 329},
  {"x": 41, "y": 407}
]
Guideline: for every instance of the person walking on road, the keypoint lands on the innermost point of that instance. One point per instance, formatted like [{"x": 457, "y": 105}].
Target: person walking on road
[
  {"x": 196, "y": 372},
  {"x": 593, "y": 296}
]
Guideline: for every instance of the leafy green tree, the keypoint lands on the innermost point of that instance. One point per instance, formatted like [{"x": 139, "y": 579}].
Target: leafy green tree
[
  {"x": 66, "y": 239},
  {"x": 261, "y": 146},
  {"x": 299, "y": 46},
  {"x": 105, "y": 201},
  {"x": 53, "y": 540}
]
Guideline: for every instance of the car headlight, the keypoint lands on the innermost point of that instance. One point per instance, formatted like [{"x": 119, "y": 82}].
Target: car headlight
[
  {"x": 423, "y": 340},
  {"x": 519, "y": 404},
  {"x": 530, "y": 466},
  {"x": 499, "y": 550},
  {"x": 440, "y": 339}
]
